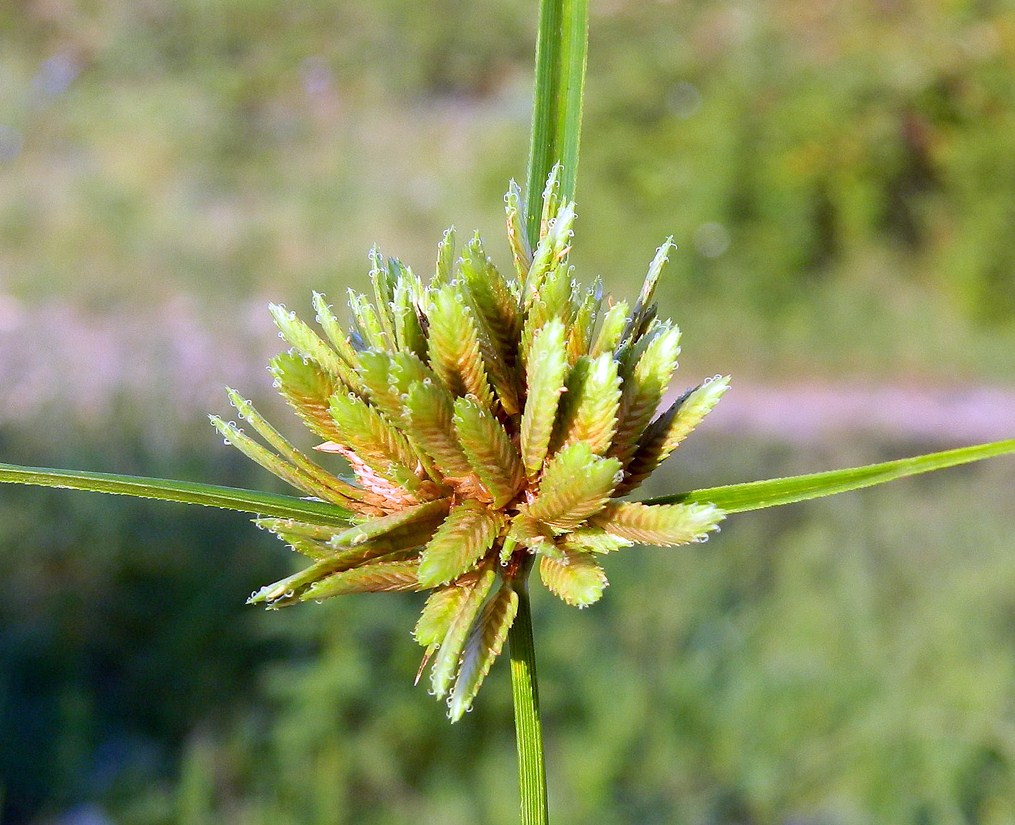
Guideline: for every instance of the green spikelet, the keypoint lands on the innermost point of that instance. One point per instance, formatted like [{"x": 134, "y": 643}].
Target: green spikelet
[
  {"x": 495, "y": 310},
  {"x": 272, "y": 463},
  {"x": 550, "y": 253},
  {"x": 403, "y": 523},
  {"x": 401, "y": 533},
  {"x": 590, "y": 405},
  {"x": 666, "y": 433},
  {"x": 528, "y": 532},
  {"x": 374, "y": 441},
  {"x": 608, "y": 338},
  {"x": 661, "y": 525},
  {"x": 440, "y": 609},
  {"x": 430, "y": 418},
  {"x": 593, "y": 540},
  {"x": 384, "y": 293},
  {"x": 490, "y": 452},
  {"x": 291, "y": 527},
  {"x": 367, "y": 323},
  {"x": 374, "y": 370},
  {"x": 466, "y": 535},
  {"x": 334, "y": 332},
  {"x": 446, "y": 662},
  {"x": 483, "y": 646},
  {"x": 575, "y": 484},
  {"x": 551, "y": 200},
  {"x": 309, "y": 345},
  {"x": 368, "y": 578},
  {"x": 576, "y": 578},
  {"x": 517, "y": 237},
  {"x": 320, "y": 478},
  {"x": 308, "y": 390},
  {"x": 642, "y": 392},
  {"x": 454, "y": 347},
  {"x": 544, "y": 378},
  {"x": 408, "y": 327},
  {"x": 643, "y": 307},
  {"x": 445, "y": 260},
  {"x": 579, "y": 333}
]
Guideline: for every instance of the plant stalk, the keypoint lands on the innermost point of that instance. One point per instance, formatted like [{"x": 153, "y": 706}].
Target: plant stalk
[
  {"x": 525, "y": 693},
  {"x": 561, "y": 51}
]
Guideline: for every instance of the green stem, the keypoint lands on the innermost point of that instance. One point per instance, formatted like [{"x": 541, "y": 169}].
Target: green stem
[
  {"x": 561, "y": 49},
  {"x": 525, "y": 692}
]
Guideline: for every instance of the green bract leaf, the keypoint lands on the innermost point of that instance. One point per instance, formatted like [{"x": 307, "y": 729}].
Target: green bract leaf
[
  {"x": 483, "y": 646},
  {"x": 662, "y": 525},
  {"x": 459, "y": 543},
  {"x": 756, "y": 495},
  {"x": 184, "y": 492}
]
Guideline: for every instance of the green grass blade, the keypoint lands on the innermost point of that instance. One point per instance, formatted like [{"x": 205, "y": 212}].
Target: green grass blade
[
  {"x": 756, "y": 495},
  {"x": 185, "y": 492},
  {"x": 561, "y": 50}
]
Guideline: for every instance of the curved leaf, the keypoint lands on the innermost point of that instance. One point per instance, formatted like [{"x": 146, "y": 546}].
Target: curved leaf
[
  {"x": 185, "y": 492},
  {"x": 756, "y": 495}
]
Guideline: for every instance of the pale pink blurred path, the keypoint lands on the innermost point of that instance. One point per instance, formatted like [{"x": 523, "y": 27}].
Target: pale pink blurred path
[{"x": 61, "y": 364}]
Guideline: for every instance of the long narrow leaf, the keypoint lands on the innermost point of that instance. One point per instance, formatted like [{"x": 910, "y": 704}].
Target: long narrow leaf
[
  {"x": 756, "y": 495},
  {"x": 185, "y": 492}
]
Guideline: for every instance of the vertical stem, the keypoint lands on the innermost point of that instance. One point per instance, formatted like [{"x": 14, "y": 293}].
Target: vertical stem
[
  {"x": 561, "y": 50},
  {"x": 525, "y": 693}
]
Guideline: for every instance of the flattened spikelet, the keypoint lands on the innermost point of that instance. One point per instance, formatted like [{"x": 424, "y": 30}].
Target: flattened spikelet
[
  {"x": 489, "y": 451},
  {"x": 446, "y": 662},
  {"x": 454, "y": 348},
  {"x": 544, "y": 379},
  {"x": 575, "y": 485},
  {"x": 486, "y": 639},
  {"x": 576, "y": 579},
  {"x": 662, "y": 525},
  {"x": 466, "y": 535},
  {"x": 666, "y": 433}
]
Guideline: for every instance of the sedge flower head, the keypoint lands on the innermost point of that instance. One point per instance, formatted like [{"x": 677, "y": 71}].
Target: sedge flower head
[{"x": 490, "y": 422}]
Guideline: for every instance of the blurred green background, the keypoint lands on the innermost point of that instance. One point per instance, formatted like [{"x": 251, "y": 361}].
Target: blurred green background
[{"x": 840, "y": 179}]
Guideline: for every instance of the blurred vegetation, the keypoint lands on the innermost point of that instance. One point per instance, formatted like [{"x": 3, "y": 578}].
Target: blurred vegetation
[{"x": 840, "y": 178}]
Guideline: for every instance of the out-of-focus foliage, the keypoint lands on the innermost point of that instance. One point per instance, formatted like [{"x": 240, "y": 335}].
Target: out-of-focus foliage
[{"x": 840, "y": 178}]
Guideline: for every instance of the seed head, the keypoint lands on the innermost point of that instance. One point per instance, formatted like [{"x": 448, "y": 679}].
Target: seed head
[{"x": 486, "y": 419}]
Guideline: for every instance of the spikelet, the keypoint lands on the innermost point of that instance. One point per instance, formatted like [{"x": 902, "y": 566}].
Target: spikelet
[
  {"x": 576, "y": 578},
  {"x": 465, "y": 537},
  {"x": 483, "y": 646},
  {"x": 487, "y": 419},
  {"x": 544, "y": 382}
]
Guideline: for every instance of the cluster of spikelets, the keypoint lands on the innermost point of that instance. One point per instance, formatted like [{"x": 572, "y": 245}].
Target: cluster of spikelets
[{"x": 488, "y": 421}]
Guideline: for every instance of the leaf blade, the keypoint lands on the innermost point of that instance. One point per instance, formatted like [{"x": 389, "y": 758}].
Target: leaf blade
[
  {"x": 183, "y": 492},
  {"x": 757, "y": 495}
]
